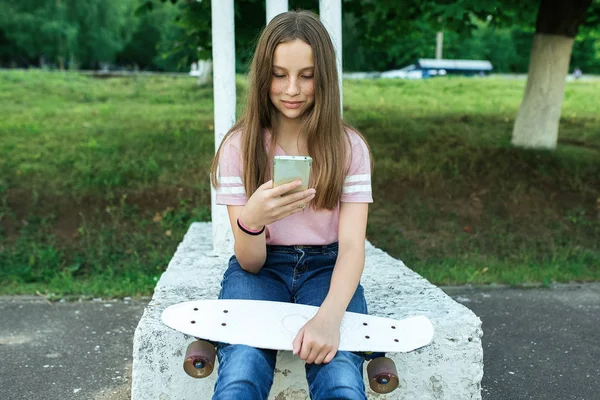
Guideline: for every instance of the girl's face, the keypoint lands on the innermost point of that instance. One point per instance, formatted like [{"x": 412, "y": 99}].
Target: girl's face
[{"x": 292, "y": 84}]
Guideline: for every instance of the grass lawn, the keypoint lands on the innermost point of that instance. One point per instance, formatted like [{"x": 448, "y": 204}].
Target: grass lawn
[{"x": 100, "y": 179}]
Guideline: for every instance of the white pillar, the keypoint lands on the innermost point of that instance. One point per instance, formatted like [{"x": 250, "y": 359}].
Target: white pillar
[
  {"x": 439, "y": 44},
  {"x": 276, "y": 7},
  {"x": 223, "y": 54},
  {"x": 330, "y": 12}
]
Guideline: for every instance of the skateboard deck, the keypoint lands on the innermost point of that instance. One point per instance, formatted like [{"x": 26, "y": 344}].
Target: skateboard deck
[{"x": 274, "y": 325}]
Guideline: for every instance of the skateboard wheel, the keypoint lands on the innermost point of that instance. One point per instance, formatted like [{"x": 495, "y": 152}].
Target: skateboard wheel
[
  {"x": 383, "y": 377},
  {"x": 199, "y": 359}
]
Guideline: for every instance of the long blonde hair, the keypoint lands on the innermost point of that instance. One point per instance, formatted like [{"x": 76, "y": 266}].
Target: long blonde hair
[{"x": 325, "y": 130}]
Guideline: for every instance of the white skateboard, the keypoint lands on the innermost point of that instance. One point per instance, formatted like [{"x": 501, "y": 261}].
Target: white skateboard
[{"x": 274, "y": 325}]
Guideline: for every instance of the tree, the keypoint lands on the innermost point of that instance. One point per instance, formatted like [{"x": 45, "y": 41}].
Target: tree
[
  {"x": 77, "y": 32},
  {"x": 39, "y": 28},
  {"x": 379, "y": 34},
  {"x": 557, "y": 23},
  {"x": 151, "y": 39},
  {"x": 194, "y": 20}
]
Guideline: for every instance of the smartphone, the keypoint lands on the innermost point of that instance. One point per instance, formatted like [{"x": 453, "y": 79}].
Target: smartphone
[{"x": 290, "y": 168}]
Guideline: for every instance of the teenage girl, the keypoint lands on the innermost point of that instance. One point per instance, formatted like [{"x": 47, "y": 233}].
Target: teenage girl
[{"x": 306, "y": 247}]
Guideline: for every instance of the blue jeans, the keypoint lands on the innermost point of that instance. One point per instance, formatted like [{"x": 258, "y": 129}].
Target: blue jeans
[{"x": 297, "y": 274}]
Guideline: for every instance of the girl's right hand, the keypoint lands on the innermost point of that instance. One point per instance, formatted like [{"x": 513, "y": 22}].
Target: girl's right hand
[{"x": 268, "y": 204}]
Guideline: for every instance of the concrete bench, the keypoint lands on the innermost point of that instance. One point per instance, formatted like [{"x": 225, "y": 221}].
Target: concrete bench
[{"x": 450, "y": 368}]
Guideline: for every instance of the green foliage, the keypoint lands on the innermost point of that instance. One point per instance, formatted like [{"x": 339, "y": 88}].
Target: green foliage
[
  {"x": 150, "y": 44},
  {"x": 193, "y": 21},
  {"x": 188, "y": 37},
  {"x": 396, "y": 32},
  {"x": 168, "y": 35},
  {"x": 586, "y": 50},
  {"x": 67, "y": 31},
  {"x": 503, "y": 47}
]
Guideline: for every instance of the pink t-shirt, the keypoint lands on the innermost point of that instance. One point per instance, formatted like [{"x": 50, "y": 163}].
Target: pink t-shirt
[{"x": 308, "y": 227}]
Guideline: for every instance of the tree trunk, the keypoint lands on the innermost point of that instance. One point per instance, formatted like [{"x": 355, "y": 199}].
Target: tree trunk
[
  {"x": 61, "y": 63},
  {"x": 537, "y": 121}
]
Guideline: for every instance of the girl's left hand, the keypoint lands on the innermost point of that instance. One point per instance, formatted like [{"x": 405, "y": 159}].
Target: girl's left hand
[{"x": 318, "y": 340}]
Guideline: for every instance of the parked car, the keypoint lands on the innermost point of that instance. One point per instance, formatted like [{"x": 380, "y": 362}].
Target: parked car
[{"x": 408, "y": 72}]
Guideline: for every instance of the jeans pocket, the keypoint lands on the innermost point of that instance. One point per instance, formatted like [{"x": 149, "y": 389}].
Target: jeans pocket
[
  {"x": 233, "y": 266},
  {"x": 332, "y": 254}
]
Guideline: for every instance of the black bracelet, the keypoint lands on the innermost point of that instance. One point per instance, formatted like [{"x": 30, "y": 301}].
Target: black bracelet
[{"x": 247, "y": 231}]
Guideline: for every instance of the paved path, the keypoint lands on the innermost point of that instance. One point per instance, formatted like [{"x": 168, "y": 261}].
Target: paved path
[
  {"x": 71, "y": 350},
  {"x": 538, "y": 344}
]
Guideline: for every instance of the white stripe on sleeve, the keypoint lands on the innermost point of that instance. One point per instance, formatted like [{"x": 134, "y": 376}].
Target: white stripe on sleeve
[
  {"x": 358, "y": 178},
  {"x": 357, "y": 188},
  {"x": 230, "y": 180},
  {"x": 231, "y": 190}
]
